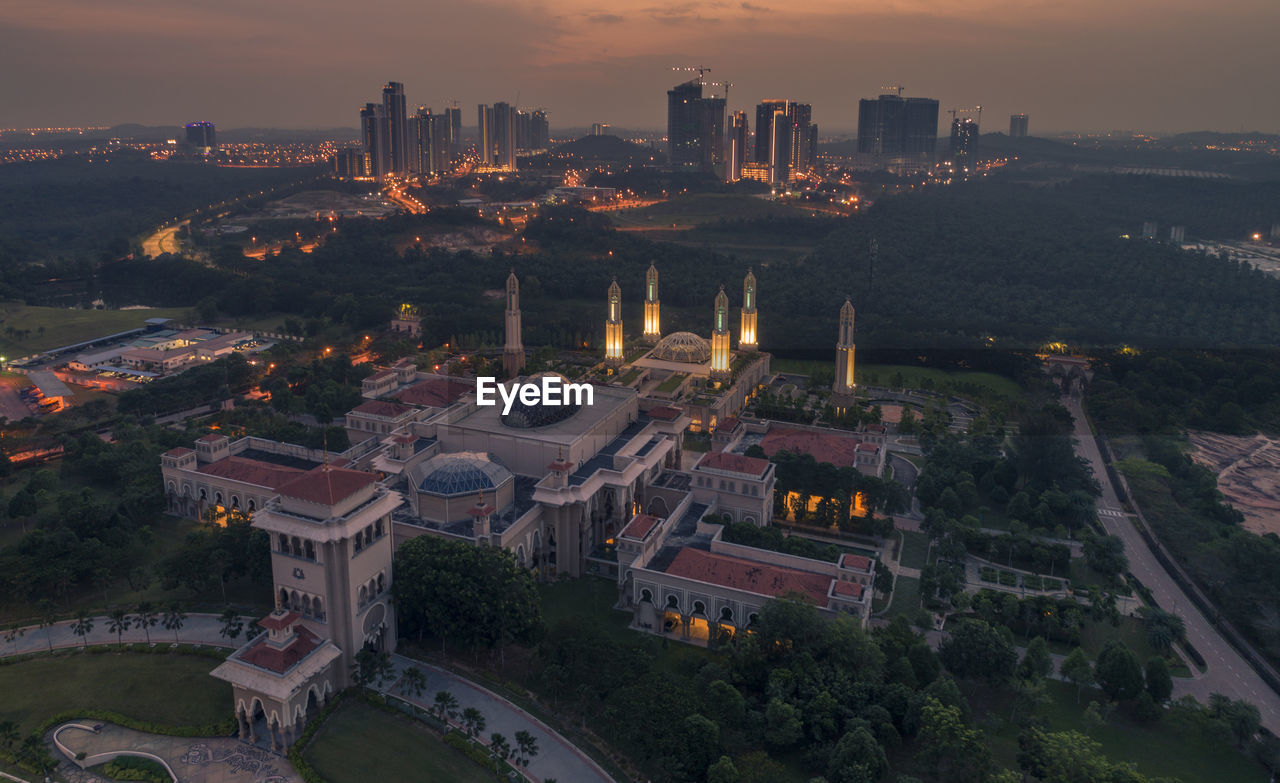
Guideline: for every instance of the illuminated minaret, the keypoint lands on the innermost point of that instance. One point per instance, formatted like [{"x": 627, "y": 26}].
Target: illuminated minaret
[
  {"x": 844, "y": 384},
  {"x": 613, "y": 326},
  {"x": 513, "y": 349},
  {"x": 720, "y": 338},
  {"x": 652, "y": 330},
  {"x": 747, "y": 337}
]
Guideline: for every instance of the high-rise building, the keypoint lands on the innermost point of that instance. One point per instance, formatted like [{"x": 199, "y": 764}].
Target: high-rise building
[
  {"x": 428, "y": 143},
  {"x": 844, "y": 385},
  {"x": 539, "y": 131},
  {"x": 737, "y": 145},
  {"x": 393, "y": 105},
  {"x": 202, "y": 136},
  {"x": 453, "y": 123},
  {"x": 802, "y": 153},
  {"x": 964, "y": 142},
  {"x": 513, "y": 348},
  {"x": 652, "y": 325},
  {"x": 600, "y": 129},
  {"x": 485, "y": 141},
  {"x": 711, "y": 136},
  {"x": 684, "y": 123},
  {"x": 892, "y": 128},
  {"x": 375, "y": 140},
  {"x": 764, "y": 128},
  {"x": 498, "y": 131},
  {"x": 720, "y": 359},
  {"x": 785, "y": 138},
  {"x": 349, "y": 163},
  {"x": 613, "y": 326},
  {"x": 747, "y": 337},
  {"x": 1018, "y": 126}
]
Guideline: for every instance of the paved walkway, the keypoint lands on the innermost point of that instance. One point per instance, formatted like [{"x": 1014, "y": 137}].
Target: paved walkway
[
  {"x": 557, "y": 757},
  {"x": 197, "y": 629},
  {"x": 193, "y": 760}
]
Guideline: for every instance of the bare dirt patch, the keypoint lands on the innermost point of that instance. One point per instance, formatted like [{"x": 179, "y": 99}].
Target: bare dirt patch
[{"x": 1248, "y": 469}]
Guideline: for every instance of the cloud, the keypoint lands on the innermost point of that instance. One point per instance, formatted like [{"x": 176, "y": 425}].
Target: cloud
[
  {"x": 755, "y": 9},
  {"x": 606, "y": 19}
]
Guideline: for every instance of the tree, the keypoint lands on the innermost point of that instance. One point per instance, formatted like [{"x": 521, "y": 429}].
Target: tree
[
  {"x": 1105, "y": 554},
  {"x": 526, "y": 746},
  {"x": 9, "y": 735},
  {"x": 413, "y": 681},
  {"x": 1118, "y": 672},
  {"x": 82, "y": 627},
  {"x": 48, "y": 616},
  {"x": 499, "y": 746},
  {"x": 473, "y": 721},
  {"x": 371, "y": 667},
  {"x": 1159, "y": 681},
  {"x": 145, "y": 617},
  {"x": 14, "y": 632},
  {"x": 723, "y": 771},
  {"x": 118, "y": 621},
  {"x": 1163, "y": 627},
  {"x": 1077, "y": 670},
  {"x": 956, "y": 751},
  {"x": 174, "y": 619},
  {"x": 976, "y": 650},
  {"x": 1092, "y": 718},
  {"x": 783, "y": 724},
  {"x": 446, "y": 705},
  {"x": 232, "y": 623},
  {"x": 1241, "y": 717},
  {"x": 857, "y": 758},
  {"x": 1036, "y": 663}
]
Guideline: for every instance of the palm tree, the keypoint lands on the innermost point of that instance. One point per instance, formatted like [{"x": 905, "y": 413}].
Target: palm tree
[
  {"x": 232, "y": 623},
  {"x": 446, "y": 705},
  {"x": 174, "y": 618},
  {"x": 527, "y": 744},
  {"x": 499, "y": 746},
  {"x": 82, "y": 627},
  {"x": 47, "y": 618},
  {"x": 117, "y": 623},
  {"x": 145, "y": 617},
  {"x": 14, "y": 633},
  {"x": 473, "y": 721},
  {"x": 413, "y": 681},
  {"x": 9, "y": 735}
]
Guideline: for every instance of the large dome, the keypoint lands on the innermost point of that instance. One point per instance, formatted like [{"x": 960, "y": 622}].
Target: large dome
[
  {"x": 524, "y": 417},
  {"x": 459, "y": 473},
  {"x": 685, "y": 347}
]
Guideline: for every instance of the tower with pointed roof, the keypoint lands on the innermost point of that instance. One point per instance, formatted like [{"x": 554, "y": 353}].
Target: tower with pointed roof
[
  {"x": 844, "y": 385},
  {"x": 652, "y": 326},
  {"x": 747, "y": 337},
  {"x": 613, "y": 326},
  {"x": 720, "y": 358},
  {"x": 513, "y": 348}
]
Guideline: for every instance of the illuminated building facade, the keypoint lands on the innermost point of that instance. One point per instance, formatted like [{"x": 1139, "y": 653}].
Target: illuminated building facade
[
  {"x": 964, "y": 142},
  {"x": 504, "y": 136},
  {"x": 375, "y": 140},
  {"x": 428, "y": 143},
  {"x": 720, "y": 359},
  {"x": 513, "y": 348},
  {"x": 484, "y": 134},
  {"x": 202, "y": 136},
  {"x": 894, "y": 129},
  {"x": 652, "y": 324},
  {"x": 844, "y": 385},
  {"x": 453, "y": 124},
  {"x": 695, "y": 128},
  {"x": 737, "y": 143},
  {"x": 747, "y": 336},
  {"x": 613, "y": 326},
  {"x": 396, "y": 114},
  {"x": 1018, "y": 126}
]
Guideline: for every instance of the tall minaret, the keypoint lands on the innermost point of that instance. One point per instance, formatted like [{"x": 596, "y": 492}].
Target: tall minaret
[
  {"x": 513, "y": 349},
  {"x": 747, "y": 337},
  {"x": 613, "y": 326},
  {"x": 720, "y": 338},
  {"x": 844, "y": 384},
  {"x": 652, "y": 330}
]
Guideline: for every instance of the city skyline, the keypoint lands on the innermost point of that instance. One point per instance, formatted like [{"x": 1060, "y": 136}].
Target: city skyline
[{"x": 1159, "y": 67}]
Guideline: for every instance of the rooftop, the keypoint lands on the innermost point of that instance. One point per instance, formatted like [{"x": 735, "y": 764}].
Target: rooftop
[
  {"x": 327, "y": 485},
  {"x": 753, "y": 577},
  {"x": 838, "y": 448},
  {"x": 856, "y": 562},
  {"x": 435, "y": 392},
  {"x": 734, "y": 463},
  {"x": 640, "y": 525},
  {"x": 383, "y": 408},
  {"x": 459, "y": 473},
  {"x": 281, "y": 660},
  {"x": 251, "y": 471}
]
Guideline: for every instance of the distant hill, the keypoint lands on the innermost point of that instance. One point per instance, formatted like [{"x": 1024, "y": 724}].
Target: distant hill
[{"x": 608, "y": 148}]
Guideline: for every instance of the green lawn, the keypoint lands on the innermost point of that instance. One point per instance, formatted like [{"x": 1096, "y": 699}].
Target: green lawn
[
  {"x": 906, "y": 597},
  {"x": 138, "y": 685},
  {"x": 64, "y": 327},
  {"x": 915, "y": 549},
  {"x": 1157, "y": 750},
  {"x": 912, "y": 377},
  {"x": 360, "y": 743}
]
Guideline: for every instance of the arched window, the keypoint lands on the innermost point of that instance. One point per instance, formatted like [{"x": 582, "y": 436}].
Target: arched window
[
  {"x": 373, "y": 589},
  {"x": 752, "y": 619},
  {"x": 294, "y": 602},
  {"x": 317, "y": 609},
  {"x": 673, "y": 602},
  {"x": 311, "y": 550},
  {"x": 284, "y": 543},
  {"x": 217, "y": 499},
  {"x": 235, "y": 501},
  {"x": 284, "y": 598},
  {"x": 364, "y": 595},
  {"x": 699, "y": 608},
  {"x": 306, "y": 605},
  {"x": 645, "y": 595},
  {"x": 377, "y": 529},
  {"x": 381, "y": 583},
  {"x": 359, "y": 540},
  {"x": 297, "y": 546},
  {"x": 252, "y": 506}
]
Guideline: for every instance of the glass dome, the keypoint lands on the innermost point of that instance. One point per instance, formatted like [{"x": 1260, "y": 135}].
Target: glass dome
[
  {"x": 685, "y": 347},
  {"x": 460, "y": 473}
]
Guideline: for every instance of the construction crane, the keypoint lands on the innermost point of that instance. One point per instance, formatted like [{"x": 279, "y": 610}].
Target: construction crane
[
  {"x": 725, "y": 85},
  {"x": 701, "y": 69},
  {"x": 896, "y": 89},
  {"x": 970, "y": 112}
]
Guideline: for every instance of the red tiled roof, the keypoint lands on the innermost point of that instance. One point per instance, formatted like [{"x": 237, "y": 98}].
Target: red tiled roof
[
  {"x": 753, "y": 577},
  {"x": 211, "y": 437},
  {"x": 735, "y": 463},
  {"x": 180, "y": 451},
  {"x": 434, "y": 392},
  {"x": 251, "y": 471},
  {"x": 383, "y": 408},
  {"x": 639, "y": 526},
  {"x": 840, "y": 450},
  {"x": 327, "y": 486},
  {"x": 727, "y": 424},
  {"x": 665, "y": 413},
  {"x": 380, "y": 374},
  {"x": 856, "y": 562},
  {"x": 851, "y": 589},
  {"x": 274, "y": 622},
  {"x": 868, "y": 447},
  {"x": 876, "y": 428},
  {"x": 282, "y": 660}
]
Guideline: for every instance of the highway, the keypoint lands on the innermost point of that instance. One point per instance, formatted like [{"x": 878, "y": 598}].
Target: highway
[{"x": 1228, "y": 673}]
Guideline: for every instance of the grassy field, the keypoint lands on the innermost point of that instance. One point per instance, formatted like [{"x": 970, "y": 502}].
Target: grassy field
[
  {"x": 360, "y": 743},
  {"x": 141, "y": 686},
  {"x": 912, "y": 377},
  {"x": 1157, "y": 750},
  {"x": 915, "y": 549},
  {"x": 695, "y": 209},
  {"x": 63, "y": 327},
  {"x": 906, "y": 597}
]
